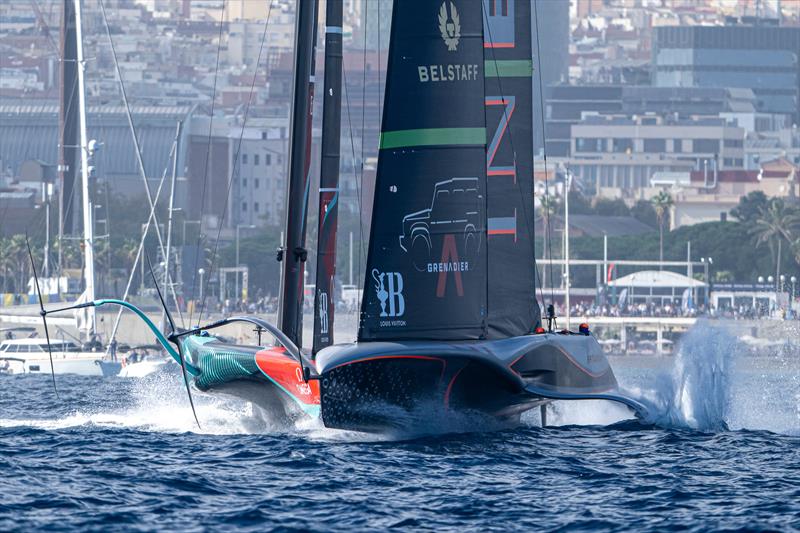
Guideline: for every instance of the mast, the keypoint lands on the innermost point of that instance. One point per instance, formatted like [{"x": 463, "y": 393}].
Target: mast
[
  {"x": 88, "y": 218},
  {"x": 67, "y": 125},
  {"x": 567, "y": 282},
  {"x": 170, "y": 212},
  {"x": 290, "y": 313},
  {"x": 324, "y": 307}
]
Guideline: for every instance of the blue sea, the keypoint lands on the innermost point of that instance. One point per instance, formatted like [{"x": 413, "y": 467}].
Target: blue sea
[{"x": 721, "y": 451}]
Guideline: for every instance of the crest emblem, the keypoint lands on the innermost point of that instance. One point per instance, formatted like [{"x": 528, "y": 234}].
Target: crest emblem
[{"x": 449, "y": 26}]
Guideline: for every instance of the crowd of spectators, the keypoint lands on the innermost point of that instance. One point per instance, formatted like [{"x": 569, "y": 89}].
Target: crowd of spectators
[
  {"x": 650, "y": 309},
  {"x": 269, "y": 305}
]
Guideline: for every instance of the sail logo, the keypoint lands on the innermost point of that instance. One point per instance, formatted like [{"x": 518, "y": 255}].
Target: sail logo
[
  {"x": 450, "y": 26},
  {"x": 302, "y": 386},
  {"x": 389, "y": 290},
  {"x": 323, "y": 313}
]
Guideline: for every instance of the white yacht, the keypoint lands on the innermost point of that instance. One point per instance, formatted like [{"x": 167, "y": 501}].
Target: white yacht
[{"x": 29, "y": 356}]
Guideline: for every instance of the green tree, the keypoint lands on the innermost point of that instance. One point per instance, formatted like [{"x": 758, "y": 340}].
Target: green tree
[
  {"x": 611, "y": 208},
  {"x": 643, "y": 212},
  {"x": 750, "y": 207},
  {"x": 18, "y": 252},
  {"x": 6, "y": 262},
  {"x": 579, "y": 204},
  {"x": 775, "y": 226},
  {"x": 662, "y": 203}
]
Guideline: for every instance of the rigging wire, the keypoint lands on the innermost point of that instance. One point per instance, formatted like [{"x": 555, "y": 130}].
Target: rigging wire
[
  {"x": 137, "y": 146},
  {"x": 380, "y": 44},
  {"x": 208, "y": 155},
  {"x": 67, "y": 208},
  {"x": 236, "y": 165},
  {"x": 363, "y": 128},
  {"x": 355, "y": 172},
  {"x": 548, "y": 235},
  {"x": 45, "y": 26},
  {"x": 523, "y": 201},
  {"x": 150, "y": 219}
]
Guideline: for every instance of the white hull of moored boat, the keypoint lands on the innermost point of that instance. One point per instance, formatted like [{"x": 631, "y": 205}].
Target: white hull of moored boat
[
  {"x": 31, "y": 356},
  {"x": 82, "y": 365}
]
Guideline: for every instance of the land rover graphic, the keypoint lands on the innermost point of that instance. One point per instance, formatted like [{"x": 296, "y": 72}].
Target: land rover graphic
[{"x": 455, "y": 209}]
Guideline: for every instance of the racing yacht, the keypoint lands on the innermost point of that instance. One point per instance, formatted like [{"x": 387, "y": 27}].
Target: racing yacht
[{"x": 449, "y": 318}]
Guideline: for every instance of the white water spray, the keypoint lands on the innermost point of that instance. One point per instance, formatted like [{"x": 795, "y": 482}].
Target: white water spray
[
  {"x": 696, "y": 393},
  {"x": 714, "y": 381}
]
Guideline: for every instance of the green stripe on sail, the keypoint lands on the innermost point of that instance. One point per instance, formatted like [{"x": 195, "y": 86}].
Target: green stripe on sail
[
  {"x": 433, "y": 137},
  {"x": 516, "y": 68}
]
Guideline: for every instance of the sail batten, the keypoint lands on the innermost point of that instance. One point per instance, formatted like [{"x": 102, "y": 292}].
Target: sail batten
[{"x": 433, "y": 137}]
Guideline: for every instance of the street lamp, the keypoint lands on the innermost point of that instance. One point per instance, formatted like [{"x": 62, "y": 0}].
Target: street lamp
[
  {"x": 771, "y": 281},
  {"x": 238, "y": 227},
  {"x": 793, "y": 279},
  {"x": 202, "y": 273},
  {"x": 707, "y": 262}
]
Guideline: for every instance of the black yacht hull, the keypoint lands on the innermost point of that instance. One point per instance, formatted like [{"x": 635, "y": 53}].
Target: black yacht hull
[{"x": 378, "y": 385}]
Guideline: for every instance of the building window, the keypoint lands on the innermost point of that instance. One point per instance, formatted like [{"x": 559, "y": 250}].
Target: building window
[
  {"x": 589, "y": 144},
  {"x": 263, "y": 135},
  {"x": 255, "y": 183},
  {"x": 256, "y": 160},
  {"x": 677, "y": 146},
  {"x": 268, "y": 159},
  {"x": 255, "y": 207},
  {"x": 706, "y": 146},
  {"x": 244, "y": 159},
  {"x": 733, "y": 143},
  {"x": 622, "y": 146},
  {"x": 655, "y": 146},
  {"x": 244, "y": 206},
  {"x": 605, "y": 176},
  {"x": 244, "y": 182},
  {"x": 625, "y": 177}
]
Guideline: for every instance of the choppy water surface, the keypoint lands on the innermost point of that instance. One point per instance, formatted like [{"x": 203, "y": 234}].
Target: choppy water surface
[{"x": 720, "y": 452}]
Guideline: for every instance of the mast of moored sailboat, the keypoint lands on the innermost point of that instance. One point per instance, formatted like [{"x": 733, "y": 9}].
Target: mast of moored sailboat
[
  {"x": 85, "y": 152},
  {"x": 67, "y": 127}
]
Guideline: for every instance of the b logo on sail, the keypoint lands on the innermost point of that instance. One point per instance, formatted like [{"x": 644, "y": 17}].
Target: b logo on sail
[
  {"x": 389, "y": 290},
  {"x": 323, "y": 312}
]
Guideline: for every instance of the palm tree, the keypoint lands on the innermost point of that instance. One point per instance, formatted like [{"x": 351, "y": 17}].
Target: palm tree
[
  {"x": 18, "y": 251},
  {"x": 662, "y": 203},
  {"x": 6, "y": 261},
  {"x": 775, "y": 225}
]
